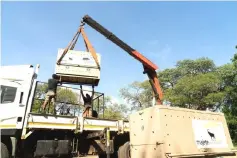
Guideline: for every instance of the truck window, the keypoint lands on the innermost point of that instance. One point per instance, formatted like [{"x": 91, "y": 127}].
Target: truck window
[{"x": 8, "y": 94}]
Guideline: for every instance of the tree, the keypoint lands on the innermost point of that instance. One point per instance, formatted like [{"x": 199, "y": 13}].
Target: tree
[
  {"x": 199, "y": 92},
  {"x": 111, "y": 109},
  {"x": 191, "y": 84},
  {"x": 194, "y": 67},
  {"x": 67, "y": 95},
  {"x": 137, "y": 94},
  {"x": 229, "y": 79},
  {"x": 116, "y": 111},
  {"x": 169, "y": 77}
]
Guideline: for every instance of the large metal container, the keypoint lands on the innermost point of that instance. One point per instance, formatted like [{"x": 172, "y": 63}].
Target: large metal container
[
  {"x": 163, "y": 132},
  {"x": 78, "y": 67}
]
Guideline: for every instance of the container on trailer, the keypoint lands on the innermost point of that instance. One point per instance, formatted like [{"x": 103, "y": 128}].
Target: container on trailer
[
  {"x": 78, "y": 67},
  {"x": 162, "y": 131}
]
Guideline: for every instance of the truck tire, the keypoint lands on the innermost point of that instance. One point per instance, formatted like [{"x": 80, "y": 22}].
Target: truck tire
[
  {"x": 4, "y": 151},
  {"x": 124, "y": 151}
]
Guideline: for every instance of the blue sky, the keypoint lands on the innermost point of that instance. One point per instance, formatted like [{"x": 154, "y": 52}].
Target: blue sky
[{"x": 165, "y": 32}]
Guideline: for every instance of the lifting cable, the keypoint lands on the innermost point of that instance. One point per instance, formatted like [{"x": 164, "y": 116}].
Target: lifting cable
[{"x": 73, "y": 42}]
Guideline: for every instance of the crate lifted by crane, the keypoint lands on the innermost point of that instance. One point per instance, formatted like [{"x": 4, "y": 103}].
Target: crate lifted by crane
[{"x": 78, "y": 67}]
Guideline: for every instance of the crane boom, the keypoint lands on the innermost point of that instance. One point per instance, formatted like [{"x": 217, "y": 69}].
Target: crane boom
[{"x": 149, "y": 67}]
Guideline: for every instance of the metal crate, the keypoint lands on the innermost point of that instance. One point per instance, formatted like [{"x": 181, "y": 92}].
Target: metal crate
[{"x": 78, "y": 67}]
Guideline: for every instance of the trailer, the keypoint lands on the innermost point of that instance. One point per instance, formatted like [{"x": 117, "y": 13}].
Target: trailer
[{"x": 172, "y": 132}]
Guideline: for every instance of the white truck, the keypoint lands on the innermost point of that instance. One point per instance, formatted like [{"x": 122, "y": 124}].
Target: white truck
[{"x": 26, "y": 134}]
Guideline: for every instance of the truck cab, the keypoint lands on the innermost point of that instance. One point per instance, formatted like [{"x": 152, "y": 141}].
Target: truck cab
[{"x": 17, "y": 84}]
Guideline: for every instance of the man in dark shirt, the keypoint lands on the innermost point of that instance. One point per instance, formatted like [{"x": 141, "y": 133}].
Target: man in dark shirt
[
  {"x": 51, "y": 94},
  {"x": 87, "y": 103}
]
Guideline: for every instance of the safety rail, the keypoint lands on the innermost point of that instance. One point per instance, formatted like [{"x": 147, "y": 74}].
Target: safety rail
[{"x": 68, "y": 100}]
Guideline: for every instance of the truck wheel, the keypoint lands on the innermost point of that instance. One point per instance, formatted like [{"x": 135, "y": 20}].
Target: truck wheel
[
  {"x": 4, "y": 151},
  {"x": 124, "y": 151}
]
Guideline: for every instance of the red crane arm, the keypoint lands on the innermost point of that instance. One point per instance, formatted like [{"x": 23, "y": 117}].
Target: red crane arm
[
  {"x": 109, "y": 35},
  {"x": 149, "y": 67}
]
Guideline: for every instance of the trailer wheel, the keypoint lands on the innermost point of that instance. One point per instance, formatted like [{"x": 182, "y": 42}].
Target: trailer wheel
[
  {"x": 124, "y": 151},
  {"x": 4, "y": 151}
]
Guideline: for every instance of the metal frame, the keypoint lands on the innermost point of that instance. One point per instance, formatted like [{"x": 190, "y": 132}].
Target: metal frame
[{"x": 93, "y": 101}]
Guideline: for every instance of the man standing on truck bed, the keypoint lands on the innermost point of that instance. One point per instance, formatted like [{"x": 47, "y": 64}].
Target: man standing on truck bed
[
  {"x": 51, "y": 93},
  {"x": 87, "y": 103}
]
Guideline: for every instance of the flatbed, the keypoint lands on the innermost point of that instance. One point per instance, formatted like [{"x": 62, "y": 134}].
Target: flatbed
[{"x": 48, "y": 121}]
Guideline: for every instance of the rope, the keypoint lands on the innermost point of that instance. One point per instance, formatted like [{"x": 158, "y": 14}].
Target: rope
[
  {"x": 73, "y": 42},
  {"x": 67, "y": 48},
  {"x": 72, "y": 47}
]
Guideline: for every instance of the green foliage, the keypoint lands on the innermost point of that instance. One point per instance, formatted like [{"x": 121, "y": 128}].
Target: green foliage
[
  {"x": 231, "y": 120},
  {"x": 229, "y": 75},
  {"x": 67, "y": 95},
  {"x": 38, "y": 98},
  {"x": 199, "y": 91},
  {"x": 36, "y": 105},
  {"x": 139, "y": 95},
  {"x": 116, "y": 111},
  {"x": 191, "y": 84},
  {"x": 201, "y": 65},
  {"x": 169, "y": 77},
  {"x": 112, "y": 110},
  {"x": 234, "y": 59}
]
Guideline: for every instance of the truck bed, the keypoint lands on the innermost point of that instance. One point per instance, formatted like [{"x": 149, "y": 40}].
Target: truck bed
[{"x": 48, "y": 121}]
